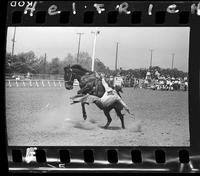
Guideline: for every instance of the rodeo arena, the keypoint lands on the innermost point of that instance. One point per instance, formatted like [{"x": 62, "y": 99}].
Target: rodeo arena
[
  {"x": 90, "y": 108},
  {"x": 40, "y": 112}
]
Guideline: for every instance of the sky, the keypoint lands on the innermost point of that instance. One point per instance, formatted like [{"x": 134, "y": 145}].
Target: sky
[{"x": 134, "y": 48}]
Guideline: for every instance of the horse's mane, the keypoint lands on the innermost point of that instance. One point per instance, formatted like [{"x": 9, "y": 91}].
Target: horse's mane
[{"x": 79, "y": 67}]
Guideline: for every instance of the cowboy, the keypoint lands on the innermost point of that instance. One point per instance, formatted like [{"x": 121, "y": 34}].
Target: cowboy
[
  {"x": 118, "y": 81},
  {"x": 110, "y": 97},
  {"x": 168, "y": 83},
  {"x": 157, "y": 74},
  {"x": 148, "y": 75},
  {"x": 111, "y": 79},
  {"x": 185, "y": 85}
]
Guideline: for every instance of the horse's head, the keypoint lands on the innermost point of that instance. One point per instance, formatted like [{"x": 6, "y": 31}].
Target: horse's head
[{"x": 69, "y": 77}]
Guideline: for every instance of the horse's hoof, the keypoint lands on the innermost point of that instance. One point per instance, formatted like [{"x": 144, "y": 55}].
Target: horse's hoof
[
  {"x": 84, "y": 117},
  {"x": 105, "y": 127}
]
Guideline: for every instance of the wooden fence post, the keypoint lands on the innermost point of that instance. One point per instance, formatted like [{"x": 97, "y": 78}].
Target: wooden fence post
[
  {"x": 17, "y": 83},
  {"x": 9, "y": 83},
  {"x": 36, "y": 83},
  {"x": 42, "y": 83}
]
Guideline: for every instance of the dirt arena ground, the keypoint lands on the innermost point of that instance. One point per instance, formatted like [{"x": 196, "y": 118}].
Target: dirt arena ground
[{"x": 44, "y": 116}]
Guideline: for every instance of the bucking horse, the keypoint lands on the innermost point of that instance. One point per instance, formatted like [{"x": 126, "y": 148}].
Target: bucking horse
[{"x": 91, "y": 84}]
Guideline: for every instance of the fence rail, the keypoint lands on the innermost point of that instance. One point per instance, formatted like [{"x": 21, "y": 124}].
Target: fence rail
[
  {"x": 34, "y": 83},
  {"x": 35, "y": 76}
]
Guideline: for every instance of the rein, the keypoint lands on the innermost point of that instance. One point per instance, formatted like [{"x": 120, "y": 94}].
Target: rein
[{"x": 70, "y": 79}]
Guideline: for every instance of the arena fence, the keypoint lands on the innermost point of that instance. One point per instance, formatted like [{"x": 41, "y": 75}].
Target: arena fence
[
  {"x": 34, "y": 83},
  {"x": 35, "y": 76}
]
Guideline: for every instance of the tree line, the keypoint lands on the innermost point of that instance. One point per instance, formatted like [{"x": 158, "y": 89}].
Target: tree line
[{"x": 28, "y": 62}]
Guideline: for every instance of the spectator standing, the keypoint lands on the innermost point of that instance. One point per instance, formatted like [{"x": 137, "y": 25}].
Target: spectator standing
[
  {"x": 111, "y": 80},
  {"x": 118, "y": 81},
  {"x": 157, "y": 74}
]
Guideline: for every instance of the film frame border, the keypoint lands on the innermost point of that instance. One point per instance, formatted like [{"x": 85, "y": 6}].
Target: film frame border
[
  {"x": 172, "y": 155},
  {"x": 135, "y": 13}
]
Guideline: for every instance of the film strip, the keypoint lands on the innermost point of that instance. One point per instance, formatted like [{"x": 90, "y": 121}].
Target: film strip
[{"x": 65, "y": 146}]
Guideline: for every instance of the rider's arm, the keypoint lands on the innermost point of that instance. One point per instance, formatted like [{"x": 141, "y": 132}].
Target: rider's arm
[
  {"x": 122, "y": 81},
  {"x": 107, "y": 88}
]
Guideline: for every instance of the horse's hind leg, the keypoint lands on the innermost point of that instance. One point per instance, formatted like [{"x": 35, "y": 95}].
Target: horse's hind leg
[
  {"x": 84, "y": 111},
  {"x": 109, "y": 119},
  {"x": 119, "y": 114}
]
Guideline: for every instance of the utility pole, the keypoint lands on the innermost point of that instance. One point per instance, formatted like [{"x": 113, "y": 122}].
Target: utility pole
[
  {"x": 151, "y": 58},
  {"x": 173, "y": 54},
  {"x": 94, "y": 46},
  {"x": 13, "y": 42},
  {"x": 79, "y": 41},
  {"x": 117, "y": 44}
]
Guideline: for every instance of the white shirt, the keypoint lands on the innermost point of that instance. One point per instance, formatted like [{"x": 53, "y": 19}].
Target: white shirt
[
  {"x": 168, "y": 82},
  {"x": 118, "y": 81},
  {"x": 161, "y": 82},
  {"x": 110, "y": 96},
  {"x": 148, "y": 74}
]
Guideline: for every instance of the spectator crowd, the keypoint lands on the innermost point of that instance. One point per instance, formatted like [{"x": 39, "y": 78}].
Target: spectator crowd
[{"x": 156, "y": 81}]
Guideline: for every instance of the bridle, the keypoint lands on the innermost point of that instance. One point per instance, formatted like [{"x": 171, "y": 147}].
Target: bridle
[{"x": 70, "y": 79}]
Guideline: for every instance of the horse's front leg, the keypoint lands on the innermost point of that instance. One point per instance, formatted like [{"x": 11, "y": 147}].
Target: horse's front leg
[{"x": 84, "y": 111}]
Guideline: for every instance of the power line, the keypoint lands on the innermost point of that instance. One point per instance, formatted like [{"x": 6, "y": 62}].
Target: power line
[
  {"x": 13, "y": 42},
  {"x": 116, "y": 58},
  {"x": 79, "y": 41}
]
